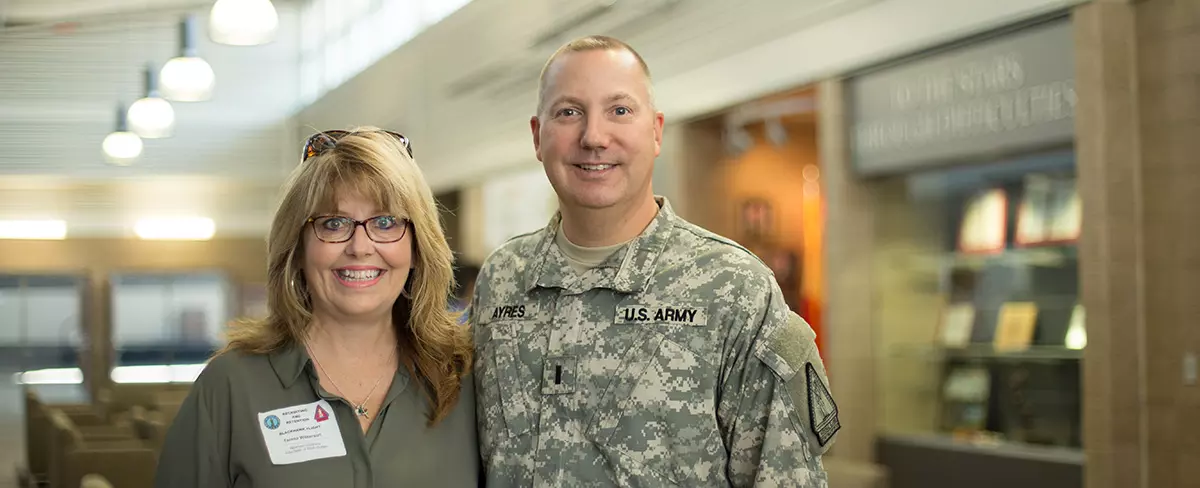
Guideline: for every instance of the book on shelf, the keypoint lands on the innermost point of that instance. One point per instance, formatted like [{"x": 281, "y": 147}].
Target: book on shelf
[
  {"x": 965, "y": 395},
  {"x": 1015, "y": 326},
  {"x": 958, "y": 321}
]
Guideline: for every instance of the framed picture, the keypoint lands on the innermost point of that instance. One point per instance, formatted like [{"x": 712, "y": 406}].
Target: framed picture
[
  {"x": 1049, "y": 212},
  {"x": 1066, "y": 212},
  {"x": 756, "y": 218},
  {"x": 1033, "y": 212},
  {"x": 984, "y": 223},
  {"x": 785, "y": 265}
]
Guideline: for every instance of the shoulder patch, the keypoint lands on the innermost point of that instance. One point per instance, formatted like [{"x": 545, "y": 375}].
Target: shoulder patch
[
  {"x": 822, "y": 411},
  {"x": 803, "y": 372}
]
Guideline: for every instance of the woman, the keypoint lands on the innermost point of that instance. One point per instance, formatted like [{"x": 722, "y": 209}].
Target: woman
[{"x": 357, "y": 376}]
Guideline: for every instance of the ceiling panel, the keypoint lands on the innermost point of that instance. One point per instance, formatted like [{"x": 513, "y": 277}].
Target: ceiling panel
[
  {"x": 59, "y": 91},
  {"x": 21, "y": 14}
]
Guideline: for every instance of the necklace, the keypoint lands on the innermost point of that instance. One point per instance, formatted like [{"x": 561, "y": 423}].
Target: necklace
[{"x": 360, "y": 409}]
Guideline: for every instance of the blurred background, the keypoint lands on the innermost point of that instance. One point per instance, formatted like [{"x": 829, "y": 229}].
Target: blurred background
[{"x": 985, "y": 208}]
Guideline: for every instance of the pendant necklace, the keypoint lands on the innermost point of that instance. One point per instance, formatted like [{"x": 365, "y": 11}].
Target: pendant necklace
[{"x": 360, "y": 409}]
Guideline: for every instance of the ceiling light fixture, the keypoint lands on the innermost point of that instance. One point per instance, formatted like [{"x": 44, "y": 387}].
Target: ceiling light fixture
[
  {"x": 737, "y": 140},
  {"x": 187, "y": 229},
  {"x": 122, "y": 147},
  {"x": 776, "y": 133},
  {"x": 243, "y": 22},
  {"x": 33, "y": 229},
  {"x": 54, "y": 376},
  {"x": 187, "y": 77},
  {"x": 152, "y": 117}
]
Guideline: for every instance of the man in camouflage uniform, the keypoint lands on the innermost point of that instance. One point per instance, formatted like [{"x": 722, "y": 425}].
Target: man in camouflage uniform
[{"x": 623, "y": 346}]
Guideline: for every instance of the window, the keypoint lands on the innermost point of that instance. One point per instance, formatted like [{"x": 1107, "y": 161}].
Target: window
[
  {"x": 397, "y": 24},
  {"x": 435, "y": 11},
  {"x": 359, "y": 52},
  {"x": 333, "y": 19},
  {"x": 342, "y": 38},
  {"x": 333, "y": 64},
  {"x": 169, "y": 318},
  {"x": 41, "y": 322},
  {"x": 310, "y": 80},
  {"x": 311, "y": 25},
  {"x": 356, "y": 10}
]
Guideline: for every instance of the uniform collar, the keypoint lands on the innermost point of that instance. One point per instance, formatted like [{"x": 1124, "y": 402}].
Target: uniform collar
[
  {"x": 626, "y": 271},
  {"x": 289, "y": 362}
]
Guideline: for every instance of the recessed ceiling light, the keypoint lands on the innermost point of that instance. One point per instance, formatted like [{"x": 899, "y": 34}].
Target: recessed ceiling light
[
  {"x": 186, "y": 228},
  {"x": 33, "y": 229}
]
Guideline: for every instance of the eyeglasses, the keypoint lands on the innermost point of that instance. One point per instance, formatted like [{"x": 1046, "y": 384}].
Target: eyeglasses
[
  {"x": 323, "y": 141},
  {"x": 335, "y": 229}
]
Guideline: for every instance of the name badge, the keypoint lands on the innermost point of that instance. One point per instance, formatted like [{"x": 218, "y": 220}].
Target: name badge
[
  {"x": 516, "y": 311},
  {"x": 668, "y": 314},
  {"x": 301, "y": 433}
]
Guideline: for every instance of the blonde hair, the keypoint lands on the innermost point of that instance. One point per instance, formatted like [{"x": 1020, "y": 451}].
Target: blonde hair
[
  {"x": 368, "y": 162},
  {"x": 591, "y": 43}
]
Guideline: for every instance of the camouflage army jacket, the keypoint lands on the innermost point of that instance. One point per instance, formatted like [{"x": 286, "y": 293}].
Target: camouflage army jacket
[{"x": 675, "y": 362}]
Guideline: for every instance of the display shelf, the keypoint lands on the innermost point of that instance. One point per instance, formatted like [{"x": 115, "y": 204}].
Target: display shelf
[
  {"x": 984, "y": 346},
  {"x": 1047, "y": 256},
  {"x": 992, "y": 446},
  {"x": 986, "y": 352}
]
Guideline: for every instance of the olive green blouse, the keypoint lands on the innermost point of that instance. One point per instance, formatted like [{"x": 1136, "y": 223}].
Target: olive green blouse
[{"x": 219, "y": 437}]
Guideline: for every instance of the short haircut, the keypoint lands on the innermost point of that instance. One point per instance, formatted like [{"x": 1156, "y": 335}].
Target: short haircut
[{"x": 592, "y": 43}]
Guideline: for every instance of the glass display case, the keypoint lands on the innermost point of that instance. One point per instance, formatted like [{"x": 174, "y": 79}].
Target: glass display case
[{"x": 978, "y": 314}]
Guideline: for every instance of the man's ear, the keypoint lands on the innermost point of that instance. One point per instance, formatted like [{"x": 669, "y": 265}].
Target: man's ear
[
  {"x": 659, "y": 120},
  {"x": 535, "y": 126}
]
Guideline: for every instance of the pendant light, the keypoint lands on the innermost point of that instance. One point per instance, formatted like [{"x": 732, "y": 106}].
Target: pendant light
[
  {"x": 152, "y": 117},
  {"x": 775, "y": 131},
  {"x": 243, "y": 22},
  {"x": 122, "y": 147},
  {"x": 187, "y": 77}
]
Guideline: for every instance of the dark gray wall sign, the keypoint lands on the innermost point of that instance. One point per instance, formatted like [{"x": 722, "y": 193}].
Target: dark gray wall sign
[{"x": 1012, "y": 92}]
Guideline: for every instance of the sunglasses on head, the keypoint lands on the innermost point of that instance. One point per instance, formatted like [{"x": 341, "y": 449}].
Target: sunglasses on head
[{"x": 323, "y": 141}]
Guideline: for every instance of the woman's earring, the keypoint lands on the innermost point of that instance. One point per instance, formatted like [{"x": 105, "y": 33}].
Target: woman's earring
[{"x": 300, "y": 293}]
